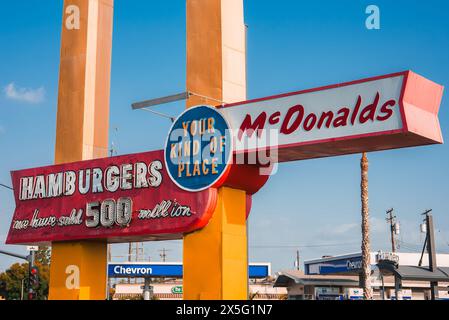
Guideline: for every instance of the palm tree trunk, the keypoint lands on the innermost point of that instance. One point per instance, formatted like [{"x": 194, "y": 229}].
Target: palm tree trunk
[{"x": 366, "y": 263}]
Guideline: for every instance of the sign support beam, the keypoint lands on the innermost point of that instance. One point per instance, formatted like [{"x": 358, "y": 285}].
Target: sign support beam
[
  {"x": 78, "y": 269},
  {"x": 216, "y": 257}
]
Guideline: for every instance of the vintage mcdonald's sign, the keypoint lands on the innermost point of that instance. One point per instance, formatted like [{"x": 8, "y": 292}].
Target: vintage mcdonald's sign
[
  {"x": 117, "y": 198},
  {"x": 386, "y": 112},
  {"x": 164, "y": 194}
]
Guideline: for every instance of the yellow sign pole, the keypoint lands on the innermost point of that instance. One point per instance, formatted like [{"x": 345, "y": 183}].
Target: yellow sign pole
[
  {"x": 78, "y": 269},
  {"x": 216, "y": 257}
]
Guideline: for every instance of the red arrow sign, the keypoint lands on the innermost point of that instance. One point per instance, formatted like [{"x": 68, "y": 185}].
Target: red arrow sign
[
  {"x": 121, "y": 198},
  {"x": 387, "y": 112}
]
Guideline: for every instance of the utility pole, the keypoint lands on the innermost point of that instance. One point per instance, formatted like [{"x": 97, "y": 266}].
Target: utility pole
[
  {"x": 130, "y": 249},
  {"x": 163, "y": 254},
  {"x": 391, "y": 218},
  {"x": 109, "y": 278},
  {"x": 431, "y": 251},
  {"x": 112, "y": 152},
  {"x": 297, "y": 260}
]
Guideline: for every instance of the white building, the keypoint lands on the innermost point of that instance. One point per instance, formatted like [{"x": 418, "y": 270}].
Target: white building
[
  {"x": 172, "y": 290},
  {"x": 337, "y": 277}
]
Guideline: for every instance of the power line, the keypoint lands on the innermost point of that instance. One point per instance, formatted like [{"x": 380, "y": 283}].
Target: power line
[
  {"x": 5, "y": 186},
  {"x": 391, "y": 219},
  {"x": 409, "y": 244},
  {"x": 443, "y": 236},
  {"x": 414, "y": 250},
  {"x": 303, "y": 246},
  {"x": 415, "y": 247}
]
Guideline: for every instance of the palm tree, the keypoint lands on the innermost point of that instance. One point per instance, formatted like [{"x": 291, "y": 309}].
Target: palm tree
[{"x": 366, "y": 263}]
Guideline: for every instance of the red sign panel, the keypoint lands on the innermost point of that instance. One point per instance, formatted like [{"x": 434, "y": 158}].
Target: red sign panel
[
  {"x": 120, "y": 199},
  {"x": 386, "y": 112}
]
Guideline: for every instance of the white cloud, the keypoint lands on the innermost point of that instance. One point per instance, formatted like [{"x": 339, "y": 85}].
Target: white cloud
[
  {"x": 27, "y": 95},
  {"x": 345, "y": 228},
  {"x": 337, "y": 231},
  {"x": 378, "y": 226}
]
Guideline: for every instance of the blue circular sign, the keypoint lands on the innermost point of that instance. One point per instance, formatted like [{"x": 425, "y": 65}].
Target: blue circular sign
[{"x": 198, "y": 149}]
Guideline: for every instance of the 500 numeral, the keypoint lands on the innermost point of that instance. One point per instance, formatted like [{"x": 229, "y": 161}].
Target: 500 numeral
[{"x": 109, "y": 212}]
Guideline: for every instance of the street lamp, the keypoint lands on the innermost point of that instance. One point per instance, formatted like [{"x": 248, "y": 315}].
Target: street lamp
[{"x": 147, "y": 104}]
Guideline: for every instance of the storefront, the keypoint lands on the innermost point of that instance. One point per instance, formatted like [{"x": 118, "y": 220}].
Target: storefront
[
  {"x": 337, "y": 277},
  {"x": 169, "y": 289},
  {"x": 315, "y": 287}
]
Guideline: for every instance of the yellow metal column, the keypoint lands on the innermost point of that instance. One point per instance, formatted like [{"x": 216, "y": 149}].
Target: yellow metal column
[
  {"x": 216, "y": 257},
  {"x": 78, "y": 269}
]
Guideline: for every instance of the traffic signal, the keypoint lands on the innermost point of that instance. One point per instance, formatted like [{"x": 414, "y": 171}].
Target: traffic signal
[{"x": 34, "y": 277}]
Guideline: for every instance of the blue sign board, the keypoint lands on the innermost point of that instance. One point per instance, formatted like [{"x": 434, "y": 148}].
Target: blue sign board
[
  {"x": 144, "y": 270},
  {"x": 198, "y": 149},
  {"x": 348, "y": 265},
  {"x": 168, "y": 270},
  {"x": 259, "y": 271}
]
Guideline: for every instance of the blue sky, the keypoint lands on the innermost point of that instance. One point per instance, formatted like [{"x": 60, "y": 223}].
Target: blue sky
[{"x": 313, "y": 205}]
